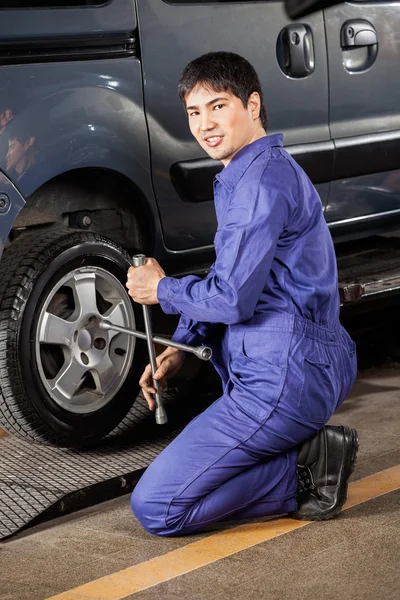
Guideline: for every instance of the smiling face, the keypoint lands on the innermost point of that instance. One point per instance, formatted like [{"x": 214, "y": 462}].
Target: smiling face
[{"x": 220, "y": 122}]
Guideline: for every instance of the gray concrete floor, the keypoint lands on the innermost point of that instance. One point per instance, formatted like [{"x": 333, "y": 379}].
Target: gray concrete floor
[{"x": 356, "y": 556}]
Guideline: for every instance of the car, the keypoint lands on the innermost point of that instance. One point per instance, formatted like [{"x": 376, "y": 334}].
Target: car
[{"x": 97, "y": 163}]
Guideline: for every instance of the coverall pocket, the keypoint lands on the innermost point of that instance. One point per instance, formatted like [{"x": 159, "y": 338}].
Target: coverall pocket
[
  {"x": 258, "y": 372},
  {"x": 257, "y": 349},
  {"x": 317, "y": 398}
]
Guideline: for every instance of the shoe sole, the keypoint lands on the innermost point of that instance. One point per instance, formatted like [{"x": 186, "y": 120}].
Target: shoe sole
[{"x": 348, "y": 468}]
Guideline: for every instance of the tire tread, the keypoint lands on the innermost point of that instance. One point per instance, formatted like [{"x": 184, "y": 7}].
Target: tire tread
[{"x": 21, "y": 264}]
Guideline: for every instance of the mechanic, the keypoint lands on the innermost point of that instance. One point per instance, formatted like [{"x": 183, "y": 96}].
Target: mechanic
[{"x": 269, "y": 308}]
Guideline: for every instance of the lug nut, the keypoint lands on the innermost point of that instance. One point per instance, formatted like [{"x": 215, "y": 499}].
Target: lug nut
[{"x": 99, "y": 343}]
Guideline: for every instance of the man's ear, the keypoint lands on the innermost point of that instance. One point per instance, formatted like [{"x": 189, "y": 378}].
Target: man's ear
[{"x": 254, "y": 104}]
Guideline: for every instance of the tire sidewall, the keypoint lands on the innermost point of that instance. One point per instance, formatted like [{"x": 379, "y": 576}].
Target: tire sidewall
[{"x": 78, "y": 428}]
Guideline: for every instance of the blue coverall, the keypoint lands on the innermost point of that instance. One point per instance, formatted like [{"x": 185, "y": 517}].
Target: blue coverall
[{"x": 269, "y": 308}]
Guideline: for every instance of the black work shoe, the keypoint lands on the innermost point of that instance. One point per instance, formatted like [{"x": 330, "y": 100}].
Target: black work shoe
[{"x": 325, "y": 464}]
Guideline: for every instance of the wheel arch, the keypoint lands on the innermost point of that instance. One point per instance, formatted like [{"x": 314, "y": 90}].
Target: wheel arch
[
  {"x": 76, "y": 124},
  {"x": 115, "y": 206}
]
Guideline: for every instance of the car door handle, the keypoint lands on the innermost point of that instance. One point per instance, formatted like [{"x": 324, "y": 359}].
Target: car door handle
[
  {"x": 357, "y": 33},
  {"x": 295, "y": 51}
]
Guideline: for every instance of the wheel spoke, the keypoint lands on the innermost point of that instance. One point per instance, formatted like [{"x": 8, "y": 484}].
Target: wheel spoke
[
  {"x": 69, "y": 379},
  {"x": 116, "y": 315},
  {"x": 105, "y": 374},
  {"x": 84, "y": 288},
  {"x": 54, "y": 330}
]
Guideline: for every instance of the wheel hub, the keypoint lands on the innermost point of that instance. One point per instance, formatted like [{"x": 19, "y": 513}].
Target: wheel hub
[
  {"x": 82, "y": 366},
  {"x": 84, "y": 341},
  {"x": 91, "y": 343}
]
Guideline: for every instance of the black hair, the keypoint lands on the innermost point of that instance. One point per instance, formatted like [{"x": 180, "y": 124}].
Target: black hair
[
  {"x": 223, "y": 71},
  {"x": 22, "y": 132}
]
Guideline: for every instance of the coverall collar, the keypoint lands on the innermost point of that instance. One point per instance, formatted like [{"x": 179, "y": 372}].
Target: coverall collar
[{"x": 231, "y": 174}]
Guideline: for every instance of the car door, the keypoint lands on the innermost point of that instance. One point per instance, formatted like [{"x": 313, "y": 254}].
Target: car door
[
  {"x": 363, "y": 41},
  {"x": 290, "y": 58}
]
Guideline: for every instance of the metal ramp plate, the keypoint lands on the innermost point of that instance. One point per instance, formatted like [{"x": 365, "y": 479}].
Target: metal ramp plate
[{"x": 39, "y": 482}]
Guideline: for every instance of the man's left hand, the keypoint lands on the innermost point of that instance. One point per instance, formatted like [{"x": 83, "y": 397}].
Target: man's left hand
[{"x": 143, "y": 281}]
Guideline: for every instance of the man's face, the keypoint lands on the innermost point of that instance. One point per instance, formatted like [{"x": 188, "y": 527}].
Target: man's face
[
  {"x": 220, "y": 122},
  {"x": 16, "y": 153}
]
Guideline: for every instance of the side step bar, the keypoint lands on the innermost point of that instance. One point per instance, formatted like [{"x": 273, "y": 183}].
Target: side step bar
[{"x": 368, "y": 269}]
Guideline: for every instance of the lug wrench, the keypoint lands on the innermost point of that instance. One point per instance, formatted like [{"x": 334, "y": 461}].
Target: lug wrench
[{"x": 202, "y": 352}]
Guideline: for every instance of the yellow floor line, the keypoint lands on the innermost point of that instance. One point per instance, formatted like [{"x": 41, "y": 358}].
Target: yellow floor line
[{"x": 215, "y": 547}]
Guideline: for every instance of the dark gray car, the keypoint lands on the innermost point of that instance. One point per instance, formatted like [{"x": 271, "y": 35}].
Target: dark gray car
[{"x": 97, "y": 162}]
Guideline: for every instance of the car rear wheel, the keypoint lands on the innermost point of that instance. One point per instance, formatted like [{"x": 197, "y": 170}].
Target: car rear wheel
[{"x": 63, "y": 379}]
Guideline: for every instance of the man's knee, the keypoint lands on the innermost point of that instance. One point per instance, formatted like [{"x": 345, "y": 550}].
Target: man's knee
[
  {"x": 145, "y": 510},
  {"x": 151, "y": 508}
]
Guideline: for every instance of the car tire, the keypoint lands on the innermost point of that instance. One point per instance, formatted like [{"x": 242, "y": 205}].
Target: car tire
[{"x": 63, "y": 379}]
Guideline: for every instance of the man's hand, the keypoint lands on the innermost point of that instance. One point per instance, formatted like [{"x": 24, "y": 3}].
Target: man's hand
[
  {"x": 143, "y": 281},
  {"x": 168, "y": 364}
]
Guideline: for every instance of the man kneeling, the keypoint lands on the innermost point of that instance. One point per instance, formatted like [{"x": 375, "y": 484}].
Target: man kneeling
[{"x": 269, "y": 308}]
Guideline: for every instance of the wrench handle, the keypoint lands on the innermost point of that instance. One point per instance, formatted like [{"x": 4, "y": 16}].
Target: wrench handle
[{"x": 161, "y": 415}]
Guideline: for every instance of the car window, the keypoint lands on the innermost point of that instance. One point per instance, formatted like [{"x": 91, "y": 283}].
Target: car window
[{"x": 50, "y": 3}]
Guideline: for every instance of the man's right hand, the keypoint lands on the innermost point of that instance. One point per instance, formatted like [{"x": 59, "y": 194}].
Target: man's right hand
[{"x": 168, "y": 364}]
